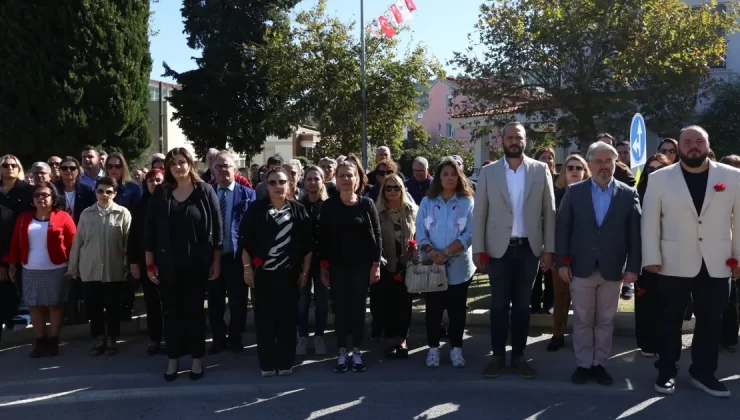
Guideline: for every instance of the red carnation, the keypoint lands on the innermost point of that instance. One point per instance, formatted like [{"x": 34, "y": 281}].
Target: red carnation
[
  {"x": 731, "y": 262},
  {"x": 412, "y": 244},
  {"x": 484, "y": 257},
  {"x": 397, "y": 277},
  {"x": 641, "y": 292},
  {"x": 567, "y": 259},
  {"x": 257, "y": 262},
  {"x": 719, "y": 187},
  {"x": 324, "y": 264}
]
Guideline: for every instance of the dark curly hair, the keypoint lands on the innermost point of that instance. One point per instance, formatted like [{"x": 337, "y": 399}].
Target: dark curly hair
[{"x": 56, "y": 200}]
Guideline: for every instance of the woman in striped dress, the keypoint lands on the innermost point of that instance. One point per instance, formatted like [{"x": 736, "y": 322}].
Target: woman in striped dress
[
  {"x": 41, "y": 243},
  {"x": 276, "y": 241}
]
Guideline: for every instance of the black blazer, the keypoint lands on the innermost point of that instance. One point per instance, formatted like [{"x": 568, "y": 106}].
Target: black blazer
[
  {"x": 19, "y": 199},
  {"x": 84, "y": 198},
  {"x": 136, "y": 236}
]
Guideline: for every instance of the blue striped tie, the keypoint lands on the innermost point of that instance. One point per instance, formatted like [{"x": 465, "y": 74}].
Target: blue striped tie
[{"x": 222, "y": 204}]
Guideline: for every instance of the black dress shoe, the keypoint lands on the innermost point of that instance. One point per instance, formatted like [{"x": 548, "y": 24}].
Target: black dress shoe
[
  {"x": 580, "y": 376},
  {"x": 217, "y": 347},
  {"x": 196, "y": 376},
  {"x": 555, "y": 344},
  {"x": 599, "y": 373},
  {"x": 169, "y": 377}
]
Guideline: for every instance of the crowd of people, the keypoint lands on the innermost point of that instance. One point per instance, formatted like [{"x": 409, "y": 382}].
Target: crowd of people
[{"x": 332, "y": 234}]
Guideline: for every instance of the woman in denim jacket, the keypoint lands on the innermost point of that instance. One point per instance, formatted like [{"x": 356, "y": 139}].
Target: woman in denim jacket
[{"x": 443, "y": 232}]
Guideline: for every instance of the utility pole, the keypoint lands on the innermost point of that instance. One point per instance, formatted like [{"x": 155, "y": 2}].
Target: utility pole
[{"x": 363, "y": 83}]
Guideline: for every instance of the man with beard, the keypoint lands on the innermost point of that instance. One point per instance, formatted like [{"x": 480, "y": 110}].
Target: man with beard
[
  {"x": 622, "y": 172},
  {"x": 690, "y": 241},
  {"x": 92, "y": 168},
  {"x": 514, "y": 232}
]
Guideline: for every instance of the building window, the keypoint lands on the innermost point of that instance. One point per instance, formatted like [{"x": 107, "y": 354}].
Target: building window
[
  {"x": 306, "y": 151},
  {"x": 449, "y": 100},
  {"x": 449, "y": 131},
  {"x": 153, "y": 93}
]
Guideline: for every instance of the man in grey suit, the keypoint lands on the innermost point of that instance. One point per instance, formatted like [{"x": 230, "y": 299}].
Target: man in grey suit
[
  {"x": 514, "y": 232},
  {"x": 597, "y": 247}
]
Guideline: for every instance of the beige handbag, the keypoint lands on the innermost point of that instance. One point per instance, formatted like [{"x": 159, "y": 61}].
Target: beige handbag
[{"x": 425, "y": 276}]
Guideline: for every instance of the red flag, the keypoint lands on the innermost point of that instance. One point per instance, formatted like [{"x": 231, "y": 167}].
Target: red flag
[
  {"x": 397, "y": 14},
  {"x": 386, "y": 27},
  {"x": 410, "y": 4}
]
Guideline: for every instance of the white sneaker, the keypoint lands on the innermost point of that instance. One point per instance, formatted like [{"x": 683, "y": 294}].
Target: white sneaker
[
  {"x": 285, "y": 372},
  {"x": 300, "y": 348},
  {"x": 646, "y": 354},
  {"x": 319, "y": 346},
  {"x": 268, "y": 373},
  {"x": 433, "y": 358},
  {"x": 456, "y": 355}
]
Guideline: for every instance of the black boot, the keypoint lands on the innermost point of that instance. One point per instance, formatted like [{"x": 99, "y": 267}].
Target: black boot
[
  {"x": 52, "y": 348},
  {"x": 40, "y": 348}
]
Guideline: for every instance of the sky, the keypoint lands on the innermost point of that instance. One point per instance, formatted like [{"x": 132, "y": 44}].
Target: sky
[{"x": 441, "y": 25}]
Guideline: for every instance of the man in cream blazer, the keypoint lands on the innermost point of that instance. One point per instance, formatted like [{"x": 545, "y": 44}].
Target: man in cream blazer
[
  {"x": 690, "y": 241},
  {"x": 514, "y": 232}
]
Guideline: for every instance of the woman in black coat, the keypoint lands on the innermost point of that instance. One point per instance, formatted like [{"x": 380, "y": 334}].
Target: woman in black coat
[{"x": 184, "y": 237}]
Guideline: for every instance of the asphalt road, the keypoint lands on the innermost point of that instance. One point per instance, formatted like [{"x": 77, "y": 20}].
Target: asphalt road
[{"x": 130, "y": 385}]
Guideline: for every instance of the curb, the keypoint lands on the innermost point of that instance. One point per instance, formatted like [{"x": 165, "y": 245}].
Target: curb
[{"x": 624, "y": 325}]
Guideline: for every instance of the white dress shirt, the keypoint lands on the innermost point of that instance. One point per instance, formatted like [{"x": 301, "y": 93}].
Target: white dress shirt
[{"x": 515, "y": 182}]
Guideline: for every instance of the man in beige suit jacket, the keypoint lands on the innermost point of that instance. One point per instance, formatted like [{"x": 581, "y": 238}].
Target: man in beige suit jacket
[
  {"x": 690, "y": 241},
  {"x": 513, "y": 232}
]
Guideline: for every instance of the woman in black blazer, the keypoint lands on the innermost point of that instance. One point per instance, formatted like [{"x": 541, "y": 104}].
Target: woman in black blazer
[
  {"x": 183, "y": 240},
  {"x": 75, "y": 196}
]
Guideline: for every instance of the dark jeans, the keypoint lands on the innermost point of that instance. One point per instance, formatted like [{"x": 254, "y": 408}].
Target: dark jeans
[
  {"x": 183, "y": 313},
  {"x": 396, "y": 303},
  {"x": 454, "y": 300},
  {"x": 730, "y": 327},
  {"x": 542, "y": 301},
  {"x": 321, "y": 301},
  {"x": 104, "y": 307},
  {"x": 231, "y": 282},
  {"x": 349, "y": 287},
  {"x": 275, "y": 311},
  {"x": 153, "y": 305},
  {"x": 710, "y": 297},
  {"x": 646, "y": 312},
  {"x": 511, "y": 278}
]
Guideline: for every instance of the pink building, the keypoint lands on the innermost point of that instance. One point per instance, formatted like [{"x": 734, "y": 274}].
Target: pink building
[{"x": 442, "y": 106}]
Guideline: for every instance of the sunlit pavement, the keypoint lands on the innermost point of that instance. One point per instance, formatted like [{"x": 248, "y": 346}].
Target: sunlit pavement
[{"x": 130, "y": 385}]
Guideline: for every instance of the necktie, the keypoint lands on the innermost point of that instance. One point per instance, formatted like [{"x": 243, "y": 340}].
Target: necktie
[{"x": 222, "y": 204}]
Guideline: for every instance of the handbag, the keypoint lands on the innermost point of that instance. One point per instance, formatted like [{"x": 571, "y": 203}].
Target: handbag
[{"x": 423, "y": 276}]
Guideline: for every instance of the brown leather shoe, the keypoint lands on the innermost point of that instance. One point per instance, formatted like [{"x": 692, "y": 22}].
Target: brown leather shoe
[
  {"x": 525, "y": 369},
  {"x": 495, "y": 367}
]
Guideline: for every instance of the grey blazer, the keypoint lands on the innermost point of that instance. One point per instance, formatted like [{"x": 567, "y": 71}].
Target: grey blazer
[{"x": 612, "y": 248}]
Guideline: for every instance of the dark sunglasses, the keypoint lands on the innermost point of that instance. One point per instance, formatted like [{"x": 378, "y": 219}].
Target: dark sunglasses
[
  {"x": 10, "y": 165},
  {"x": 667, "y": 151},
  {"x": 106, "y": 192},
  {"x": 274, "y": 182},
  {"x": 392, "y": 188},
  {"x": 384, "y": 173},
  {"x": 68, "y": 168},
  {"x": 55, "y": 163},
  {"x": 41, "y": 195},
  {"x": 114, "y": 165},
  {"x": 574, "y": 168}
]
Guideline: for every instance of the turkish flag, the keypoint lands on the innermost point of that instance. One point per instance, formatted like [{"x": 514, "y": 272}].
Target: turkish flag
[
  {"x": 396, "y": 14},
  {"x": 410, "y": 4},
  {"x": 386, "y": 27},
  {"x": 404, "y": 11}
]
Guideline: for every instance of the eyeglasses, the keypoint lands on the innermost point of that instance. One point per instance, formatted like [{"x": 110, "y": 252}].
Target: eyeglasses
[
  {"x": 55, "y": 163},
  {"x": 274, "y": 182},
  {"x": 10, "y": 165},
  {"x": 68, "y": 168},
  {"x": 41, "y": 195},
  {"x": 114, "y": 165},
  {"x": 392, "y": 188},
  {"x": 577, "y": 168},
  {"x": 667, "y": 151},
  {"x": 383, "y": 173},
  {"x": 105, "y": 192}
]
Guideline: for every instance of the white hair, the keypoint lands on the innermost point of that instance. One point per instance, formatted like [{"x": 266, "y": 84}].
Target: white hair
[
  {"x": 383, "y": 149},
  {"x": 341, "y": 158},
  {"x": 41, "y": 165},
  {"x": 297, "y": 163},
  {"x": 225, "y": 154},
  {"x": 421, "y": 160},
  {"x": 212, "y": 152},
  {"x": 600, "y": 146},
  {"x": 328, "y": 160}
]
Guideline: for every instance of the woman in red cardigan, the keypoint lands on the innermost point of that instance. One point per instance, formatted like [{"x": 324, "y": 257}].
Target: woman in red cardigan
[{"x": 41, "y": 243}]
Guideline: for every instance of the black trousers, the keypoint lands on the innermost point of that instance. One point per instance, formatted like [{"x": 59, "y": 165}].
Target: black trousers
[
  {"x": 377, "y": 308},
  {"x": 646, "y": 312},
  {"x": 183, "y": 312},
  {"x": 349, "y": 287},
  {"x": 396, "y": 303},
  {"x": 730, "y": 325},
  {"x": 103, "y": 301},
  {"x": 275, "y": 300},
  {"x": 542, "y": 300},
  {"x": 511, "y": 278},
  {"x": 710, "y": 297},
  {"x": 153, "y": 305},
  {"x": 453, "y": 300},
  {"x": 230, "y": 282},
  {"x": 128, "y": 294}
]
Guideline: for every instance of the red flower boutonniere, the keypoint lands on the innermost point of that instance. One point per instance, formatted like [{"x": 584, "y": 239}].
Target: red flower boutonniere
[
  {"x": 324, "y": 264},
  {"x": 567, "y": 259},
  {"x": 412, "y": 244},
  {"x": 640, "y": 292},
  {"x": 719, "y": 187},
  {"x": 484, "y": 257},
  {"x": 257, "y": 262},
  {"x": 397, "y": 277},
  {"x": 731, "y": 262}
]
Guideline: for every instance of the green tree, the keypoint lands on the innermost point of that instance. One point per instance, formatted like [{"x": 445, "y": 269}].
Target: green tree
[
  {"x": 315, "y": 64},
  {"x": 74, "y": 74},
  {"x": 225, "y": 100},
  {"x": 721, "y": 118},
  {"x": 417, "y": 134},
  {"x": 434, "y": 153},
  {"x": 590, "y": 65}
]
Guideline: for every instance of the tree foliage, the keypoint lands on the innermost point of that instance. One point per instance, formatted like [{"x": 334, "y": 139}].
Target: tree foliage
[
  {"x": 225, "y": 100},
  {"x": 315, "y": 62},
  {"x": 590, "y": 65},
  {"x": 74, "y": 73},
  {"x": 434, "y": 153},
  {"x": 721, "y": 118}
]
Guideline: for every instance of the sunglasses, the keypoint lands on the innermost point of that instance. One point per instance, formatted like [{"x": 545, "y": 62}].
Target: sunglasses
[
  {"x": 274, "y": 182},
  {"x": 105, "y": 192},
  {"x": 114, "y": 166},
  {"x": 10, "y": 165},
  {"x": 392, "y": 188},
  {"x": 41, "y": 195},
  {"x": 668, "y": 151},
  {"x": 68, "y": 168},
  {"x": 55, "y": 163},
  {"x": 577, "y": 168},
  {"x": 384, "y": 173}
]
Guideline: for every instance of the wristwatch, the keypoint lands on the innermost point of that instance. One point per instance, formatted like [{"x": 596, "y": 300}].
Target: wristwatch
[{"x": 447, "y": 254}]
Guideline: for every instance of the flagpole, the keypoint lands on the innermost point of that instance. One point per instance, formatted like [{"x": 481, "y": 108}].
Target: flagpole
[{"x": 363, "y": 84}]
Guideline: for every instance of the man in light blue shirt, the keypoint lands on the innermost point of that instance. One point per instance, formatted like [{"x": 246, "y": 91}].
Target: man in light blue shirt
[
  {"x": 602, "y": 198},
  {"x": 92, "y": 168}
]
